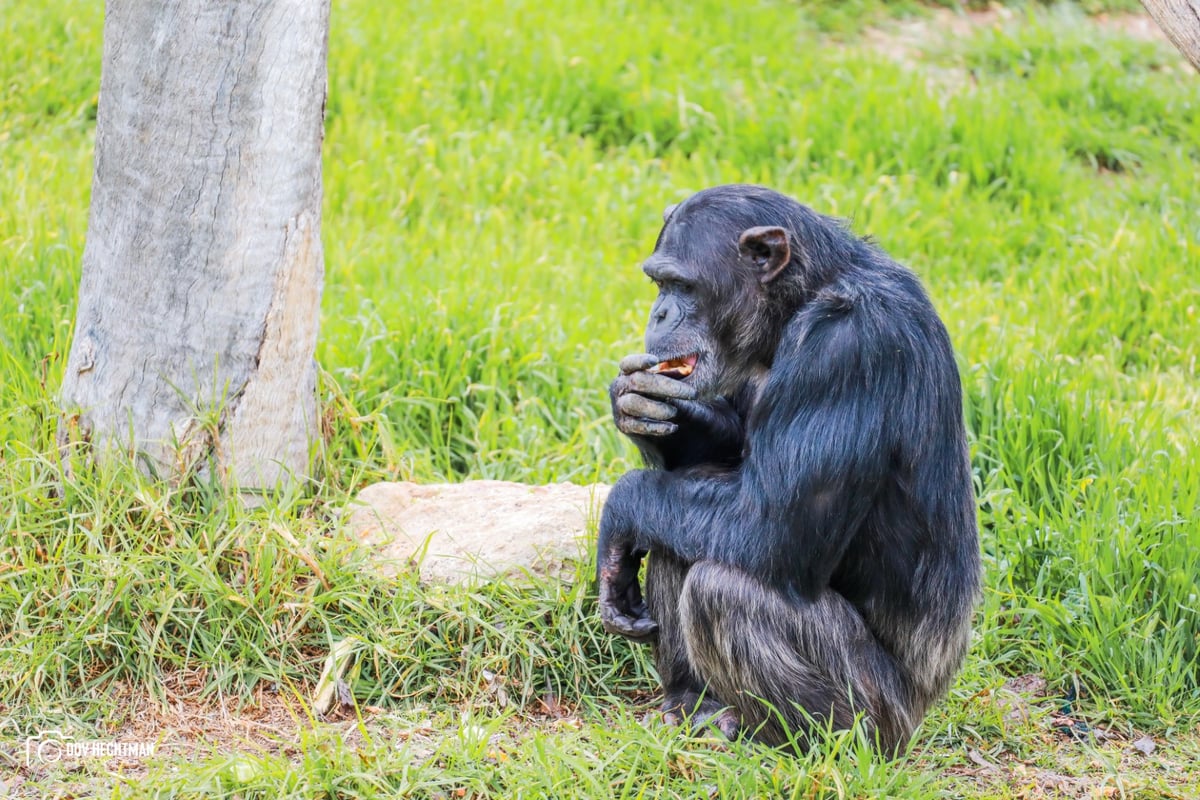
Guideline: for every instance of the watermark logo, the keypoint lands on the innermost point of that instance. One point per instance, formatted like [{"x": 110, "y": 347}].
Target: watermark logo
[{"x": 53, "y": 746}]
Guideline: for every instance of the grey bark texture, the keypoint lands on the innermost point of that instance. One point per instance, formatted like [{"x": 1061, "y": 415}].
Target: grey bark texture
[
  {"x": 203, "y": 268},
  {"x": 1180, "y": 20}
]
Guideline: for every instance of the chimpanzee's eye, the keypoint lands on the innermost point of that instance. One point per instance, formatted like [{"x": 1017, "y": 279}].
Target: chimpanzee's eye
[{"x": 671, "y": 285}]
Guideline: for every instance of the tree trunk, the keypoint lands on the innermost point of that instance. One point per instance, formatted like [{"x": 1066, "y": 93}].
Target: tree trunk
[
  {"x": 202, "y": 270},
  {"x": 1180, "y": 19}
]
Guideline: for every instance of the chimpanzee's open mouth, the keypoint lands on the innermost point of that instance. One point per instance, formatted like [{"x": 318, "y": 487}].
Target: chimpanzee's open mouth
[{"x": 678, "y": 368}]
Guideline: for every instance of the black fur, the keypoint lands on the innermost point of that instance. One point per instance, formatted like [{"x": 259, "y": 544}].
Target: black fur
[{"x": 809, "y": 513}]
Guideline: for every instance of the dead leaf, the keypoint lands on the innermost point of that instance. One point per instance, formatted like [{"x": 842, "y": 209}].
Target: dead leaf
[
  {"x": 336, "y": 664},
  {"x": 977, "y": 758}
]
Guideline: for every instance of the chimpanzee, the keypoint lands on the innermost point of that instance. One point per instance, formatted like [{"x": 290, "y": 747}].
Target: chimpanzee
[{"x": 808, "y": 511}]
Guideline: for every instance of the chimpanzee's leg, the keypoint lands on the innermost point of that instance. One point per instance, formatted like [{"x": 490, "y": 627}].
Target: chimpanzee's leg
[
  {"x": 684, "y": 694},
  {"x": 790, "y": 665}
]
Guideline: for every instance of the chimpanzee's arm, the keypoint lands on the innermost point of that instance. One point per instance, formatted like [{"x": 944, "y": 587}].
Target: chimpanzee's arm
[{"x": 817, "y": 458}]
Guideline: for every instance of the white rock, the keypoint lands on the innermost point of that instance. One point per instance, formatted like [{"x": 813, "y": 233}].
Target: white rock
[{"x": 478, "y": 529}]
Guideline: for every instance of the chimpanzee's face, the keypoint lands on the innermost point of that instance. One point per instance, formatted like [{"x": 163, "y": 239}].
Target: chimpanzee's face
[
  {"x": 713, "y": 275},
  {"x": 679, "y": 331}
]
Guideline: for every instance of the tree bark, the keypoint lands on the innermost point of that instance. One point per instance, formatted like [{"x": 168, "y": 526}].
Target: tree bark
[
  {"x": 203, "y": 267},
  {"x": 1180, "y": 19}
]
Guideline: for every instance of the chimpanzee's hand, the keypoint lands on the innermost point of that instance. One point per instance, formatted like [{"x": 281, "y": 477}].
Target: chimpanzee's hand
[
  {"x": 644, "y": 403},
  {"x": 622, "y": 609}
]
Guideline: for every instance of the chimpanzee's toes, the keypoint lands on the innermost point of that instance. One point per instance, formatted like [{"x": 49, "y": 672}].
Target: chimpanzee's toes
[
  {"x": 714, "y": 714},
  {"x": 728, "y": 723},
  {"x": 699, "y": 712}
]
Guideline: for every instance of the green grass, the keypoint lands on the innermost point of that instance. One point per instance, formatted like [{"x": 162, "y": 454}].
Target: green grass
[{"x": 494, "y": 174}]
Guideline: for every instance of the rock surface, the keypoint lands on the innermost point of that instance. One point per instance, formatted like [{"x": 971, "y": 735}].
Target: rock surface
[{"x": 478, "y": 529}]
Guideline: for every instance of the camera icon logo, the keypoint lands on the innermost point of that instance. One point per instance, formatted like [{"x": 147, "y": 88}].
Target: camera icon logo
[{"x": 46, "y": 747}]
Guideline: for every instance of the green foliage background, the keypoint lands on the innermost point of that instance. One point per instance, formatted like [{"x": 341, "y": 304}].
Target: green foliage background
[{"x": 494, "y": 174}]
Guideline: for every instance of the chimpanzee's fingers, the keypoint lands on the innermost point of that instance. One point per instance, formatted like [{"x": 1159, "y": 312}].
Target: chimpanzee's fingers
[
  {"x": 638, "y": 624},
  {"x": 622, "y": 609},
  {"x": 641, "y": 427},
  {"x": 635, "y": 405},
  {"x": 639, "y": 629},
  {"x": 655, "y": 385},
  {"x": 636, "y": 363}
]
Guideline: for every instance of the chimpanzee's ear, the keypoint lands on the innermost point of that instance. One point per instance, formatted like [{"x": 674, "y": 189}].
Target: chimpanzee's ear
[
  {"x": 767, "y": 248},
  {"x": 669, "y": 210}
]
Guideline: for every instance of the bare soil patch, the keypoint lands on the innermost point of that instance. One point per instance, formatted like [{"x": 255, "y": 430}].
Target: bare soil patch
[{"x": 908, "y": 41}]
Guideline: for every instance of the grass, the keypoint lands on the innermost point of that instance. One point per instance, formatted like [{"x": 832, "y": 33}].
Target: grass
[{"x": 493, "y": 176}]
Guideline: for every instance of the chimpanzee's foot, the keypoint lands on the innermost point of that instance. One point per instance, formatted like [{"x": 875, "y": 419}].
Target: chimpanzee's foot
[{"x": 680, "y": 705}]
